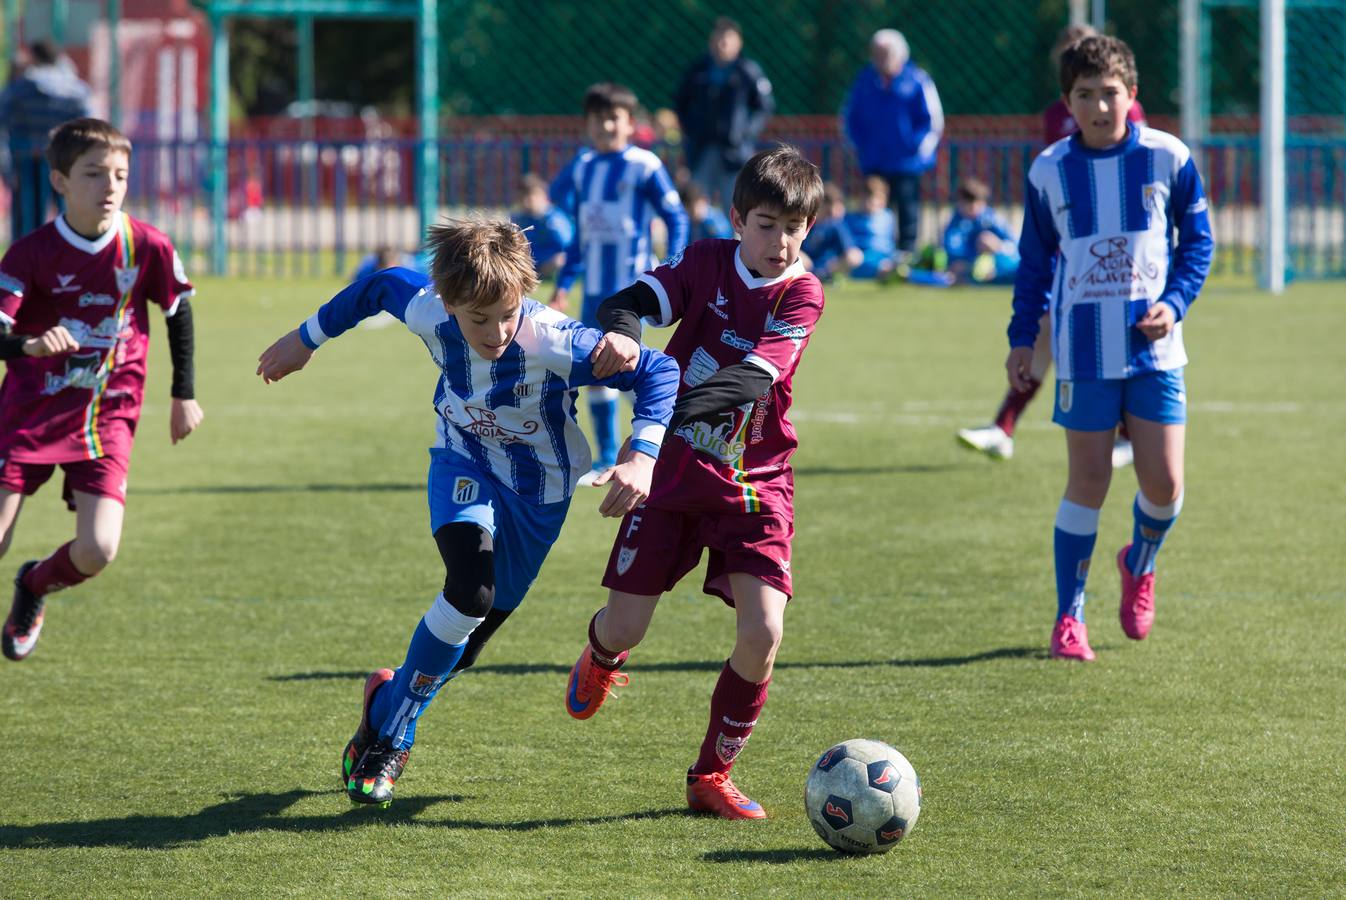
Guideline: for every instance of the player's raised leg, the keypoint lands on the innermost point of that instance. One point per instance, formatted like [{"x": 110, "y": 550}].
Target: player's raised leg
[
  {"x": 1076, "y": 531},
  {"x": 738, "y": 698},
  {"x": 997, "y": 439},
  {"x": 1159, "y": 471},
  {"x": 613, "y": 631}
]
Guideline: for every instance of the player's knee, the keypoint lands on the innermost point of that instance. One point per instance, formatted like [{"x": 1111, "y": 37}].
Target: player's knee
[
  {"x": 1162, "y": 491},
  {"x": 761, "y": 639},
  {"x": 620, "y": 633},
  {"x": 94, "y": 555},
  {"x": 469, "y": 568}
]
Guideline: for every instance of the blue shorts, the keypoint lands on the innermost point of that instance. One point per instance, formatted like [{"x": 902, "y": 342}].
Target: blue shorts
[
  {"x": 523, "y": 532},
  {"x": 1098, "y": 405}
]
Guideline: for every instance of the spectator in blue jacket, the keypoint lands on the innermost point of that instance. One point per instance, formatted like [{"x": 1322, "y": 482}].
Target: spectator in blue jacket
[
  {"x": 723, "y": 104},
  {"x": 894, "y": 121},
  {"x": 46, "y": 93}
]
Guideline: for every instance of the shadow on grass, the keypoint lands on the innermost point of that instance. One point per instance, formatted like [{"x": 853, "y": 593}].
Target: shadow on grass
[
  {"x": 773, "y": 856},
  {"x": 282, "y": 489},
  {"x": 933, "y": 662},
  {"x": 263, "y": 812}
]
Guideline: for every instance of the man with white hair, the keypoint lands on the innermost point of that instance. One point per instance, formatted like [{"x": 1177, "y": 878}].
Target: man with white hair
[{"x": 894, "y": 121}]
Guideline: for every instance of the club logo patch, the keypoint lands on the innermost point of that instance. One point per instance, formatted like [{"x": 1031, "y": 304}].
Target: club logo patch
[
  {"x": 465, "y": 490},
  {"x": 728, "y": 748},
  {"x": 126, "y": 278},
  {"x": 423, "y": 685},
  {"x": 626, "y": 556}
]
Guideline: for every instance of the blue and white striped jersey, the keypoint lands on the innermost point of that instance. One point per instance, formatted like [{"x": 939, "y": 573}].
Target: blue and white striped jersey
[
  {"x": 612, "y": 198},
  {"x": 513, "y": 417},
  {"x": 1113, "y": 215}
]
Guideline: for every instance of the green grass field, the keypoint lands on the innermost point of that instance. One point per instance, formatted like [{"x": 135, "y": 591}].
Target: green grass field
[{"x": 177, "y": 731}]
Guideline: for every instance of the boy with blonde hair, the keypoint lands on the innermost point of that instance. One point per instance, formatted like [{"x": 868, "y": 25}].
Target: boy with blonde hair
[
  {"x": 74, "y": 302},
  {"x": 504, "y": 465},
  {"x": 1124, "y": 207}
]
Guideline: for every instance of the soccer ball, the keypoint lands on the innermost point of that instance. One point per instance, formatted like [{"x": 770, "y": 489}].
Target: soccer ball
[{"x": 862, "y": 797}]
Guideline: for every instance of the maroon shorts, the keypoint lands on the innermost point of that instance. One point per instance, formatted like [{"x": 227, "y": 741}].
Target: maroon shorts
[
  {"x": 103, "y": 477},
  {"x": 655, "y": 548}
]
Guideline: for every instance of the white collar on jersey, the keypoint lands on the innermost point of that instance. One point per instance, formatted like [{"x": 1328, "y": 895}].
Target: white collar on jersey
[
  {"x": 794, "y": 270},
  {"x": 79, "y": 242}
]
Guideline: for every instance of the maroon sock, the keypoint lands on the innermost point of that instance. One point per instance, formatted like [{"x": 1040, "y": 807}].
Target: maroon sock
[
  {"x": 1014, "y": 404},
  {"x": 734, "y": 708},
  {"x": 54, "y": 573},
  {"x": 602, "y": 656}
]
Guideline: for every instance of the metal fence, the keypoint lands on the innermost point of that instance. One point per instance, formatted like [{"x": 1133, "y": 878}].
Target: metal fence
[{"x": 317, "y": 207}]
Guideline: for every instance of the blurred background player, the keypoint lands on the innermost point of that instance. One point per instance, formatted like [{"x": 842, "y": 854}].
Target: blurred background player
[
  {"x": 548, "y": 229},
  {"x": 894, "y": 121},
  {"x": 745, "y": 311},
  {"x": 504, "y": 465},
  {"x": 830, "y": 250},
  {"x": 873, "y": 227},
  {"x": 997, "y": 439},
  {"x": 707, "y": 221},
  {"x": 723, "y": 105},
  {"x": 1118, "y": 348},
  {"x": 978, "y": 246},
  {"x": 612, "y": 191},
  {"x": 385, "y": 258},
  {"x": 73, "y": 400}
]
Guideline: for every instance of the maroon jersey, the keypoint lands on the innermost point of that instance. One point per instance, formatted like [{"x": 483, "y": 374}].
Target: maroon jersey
[
  {"x": 1057, "y": 122},
  {"x": 740, "y": 461},
  {"x": 82, "y": 405}
]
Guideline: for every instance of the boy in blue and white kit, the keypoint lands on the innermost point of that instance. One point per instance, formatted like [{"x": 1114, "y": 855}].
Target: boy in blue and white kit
[
  {"x": 506, "y": 458},
  {"x": 1110, "y": 199},
  {"x": 612, "y": 191}
]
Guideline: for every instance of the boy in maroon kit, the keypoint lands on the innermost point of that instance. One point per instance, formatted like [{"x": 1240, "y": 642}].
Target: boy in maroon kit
[
  {"x": 74, "y": 315},
  {"x": 745, "y": 310}
]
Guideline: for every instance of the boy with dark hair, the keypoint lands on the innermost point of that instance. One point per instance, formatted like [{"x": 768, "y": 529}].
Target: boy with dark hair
[
  {"x": 746, "y": 310},
  {"x": 706, "y": 219},
  {"x": 74, "y": 302},
  {"x": 830, "y": 248},
  {"x": 1124, "y": 208},
  {"x": 978, "y": 246},
  {"x": 874, "y": 229},
  {"x": 611, "y": 191},
  {"x": 505, "y": 463},
  {"x": 548, "y": 229}
]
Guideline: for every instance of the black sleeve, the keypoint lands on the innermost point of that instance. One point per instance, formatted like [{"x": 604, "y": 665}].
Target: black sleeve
[
  {"x": 11, "y": 345},
  {"x": 623, "y": 311},
  {"x": 730, "y": 387},
  {"x": 181, "y": 341}
]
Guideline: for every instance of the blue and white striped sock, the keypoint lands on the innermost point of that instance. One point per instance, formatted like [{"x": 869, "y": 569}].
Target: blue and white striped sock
[
  {"x": 1076, "y": 532},
  {"x": 1152, "y": 525},
  {"x": 436, "y": 646}
]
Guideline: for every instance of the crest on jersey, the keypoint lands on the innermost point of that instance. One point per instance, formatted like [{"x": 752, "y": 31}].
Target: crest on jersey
[
  {"x": 1065, "y": 398},
  {"x": 465, "y": 490},
  {"x": 126, "y": 278},
  {"x": 625, "y": 557},
  {"x": 1150, "y": 191}
]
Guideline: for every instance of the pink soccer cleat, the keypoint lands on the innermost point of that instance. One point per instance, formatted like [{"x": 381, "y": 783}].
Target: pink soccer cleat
[
  {"x": 1137, "y": 610},
  {"x": 1070, "y": 640},
  {"x": 715, "y": 793}
]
